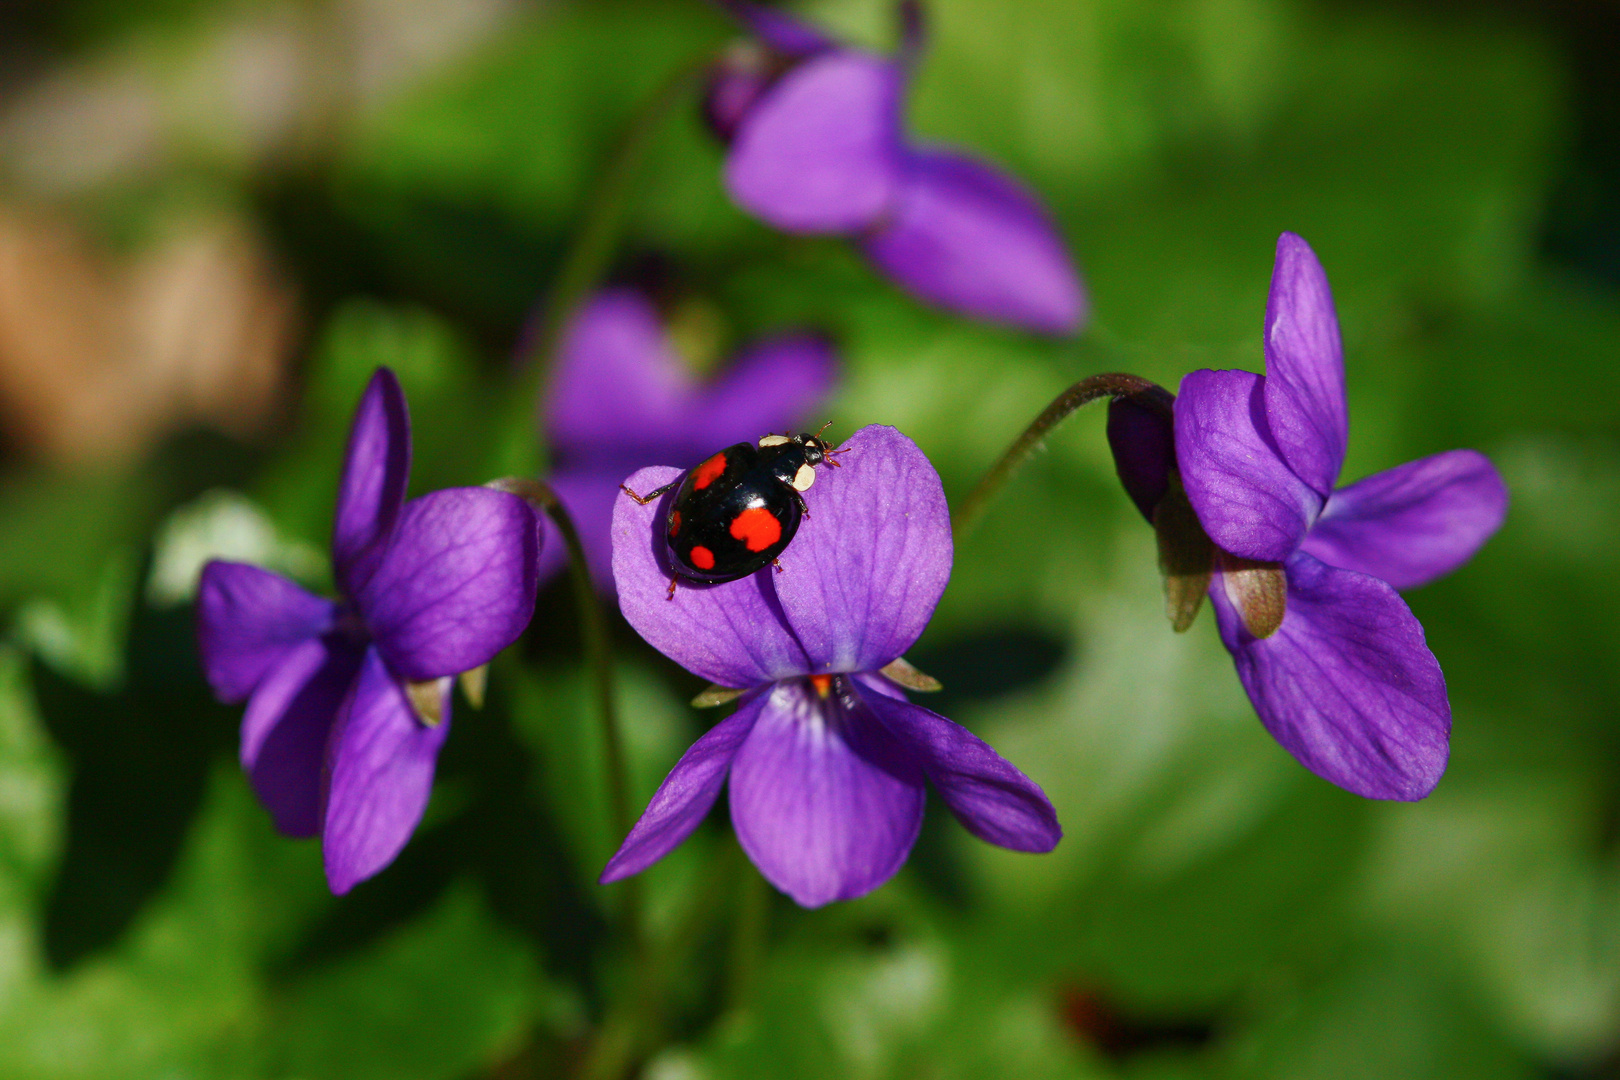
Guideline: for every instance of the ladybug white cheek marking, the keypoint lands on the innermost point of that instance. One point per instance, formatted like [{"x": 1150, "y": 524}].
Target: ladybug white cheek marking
[
  {"x": 804, "y": 478},
  {"x": 773, "y": 440}
]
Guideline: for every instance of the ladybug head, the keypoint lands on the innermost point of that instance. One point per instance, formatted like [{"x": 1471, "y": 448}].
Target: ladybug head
[{"x": 815, "y": 450}]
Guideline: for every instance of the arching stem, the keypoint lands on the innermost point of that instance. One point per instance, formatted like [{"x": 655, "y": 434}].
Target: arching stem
[
  {"x": 1113, "y": 385},
  {"x": 593, "y": 630}
]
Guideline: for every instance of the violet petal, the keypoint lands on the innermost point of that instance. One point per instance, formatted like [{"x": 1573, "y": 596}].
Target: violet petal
[
  {"x": 1144, "y": 445},
  {"x": 779, "y": 30},
  {"x": 862, "y": 577},
  {"x": 380, "y": 759},
  {"x": 1347, "y": 684},
  {"x": 992, "y": 799},
  {"x": 966, "y": 237},
  {"x": 824, "y": 800},
  {"x": 732, "y": 634},
  {"x": 372, "y": 490},
  {"x": 285, "y": 729},
  {"x": 770, "y": 387},
  {"x": 684, "y": 798},
  {"x": 1246, "y": 497},
  {"x": 248, "y": 619},
  {"x": 1304, "y": 386},
  {"x": 457, "y": 585},
  {"x": 820, "y": 152},
  {"x": 1413, "y": 523},
  {"x": 618, "y": 382},
  {"x": 589, "y": 496}
]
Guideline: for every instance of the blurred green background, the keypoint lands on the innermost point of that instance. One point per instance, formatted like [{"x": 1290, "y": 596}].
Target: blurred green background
[{"x": 215, "y": 219}]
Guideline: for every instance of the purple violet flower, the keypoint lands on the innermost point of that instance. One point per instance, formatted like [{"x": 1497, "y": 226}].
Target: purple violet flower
[
  {"x": 817, "y": 147},
  {"x": 826, "y": 757},
  {"x": 1305, "y": 573},
  {"x": 621, "y": 398},
  {"x": 332, "y": 739}
]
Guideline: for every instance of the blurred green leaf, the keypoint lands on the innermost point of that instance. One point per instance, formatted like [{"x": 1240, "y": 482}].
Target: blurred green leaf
[{"x": 448, "y": 995}]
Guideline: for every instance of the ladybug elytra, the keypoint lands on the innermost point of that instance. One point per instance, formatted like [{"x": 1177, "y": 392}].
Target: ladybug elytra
[{"x": 738, "y": 509}]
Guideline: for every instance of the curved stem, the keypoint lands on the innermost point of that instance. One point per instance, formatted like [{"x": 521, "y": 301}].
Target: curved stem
[
  {"x": 1113, "y": 385},
  {"x": 593, "y": 630},
  {"x": 638, "y": 1021}
]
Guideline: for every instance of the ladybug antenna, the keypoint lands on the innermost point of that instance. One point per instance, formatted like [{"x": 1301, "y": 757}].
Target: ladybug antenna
[{"x": 824, "y": 427}]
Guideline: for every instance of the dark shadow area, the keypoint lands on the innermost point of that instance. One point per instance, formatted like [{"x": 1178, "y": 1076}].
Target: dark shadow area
[
  {"x": 502, "y": 838},
  {"x": 1581, "y": 227},
  {"x": 469, "y": 263},
  {"x": 140, "y": 758},
  {"x": 1119, "y": 1035},
  {"x": 1583, "y": 219},
  {"x": 974, "y": 670},
  {"x": 987, "y": 665}
]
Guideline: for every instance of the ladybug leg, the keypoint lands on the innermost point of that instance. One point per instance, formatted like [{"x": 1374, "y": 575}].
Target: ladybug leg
[
  {"x": 804, "y": 507},
  {"x": 647, "y": 498},
  {"x": 672, "y": 580},
  {"x": 778, "y": 564}
]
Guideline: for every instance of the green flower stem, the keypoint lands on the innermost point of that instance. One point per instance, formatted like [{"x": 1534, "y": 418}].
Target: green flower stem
[
  {"x": 1113, "y": 385},
  {"x": 590, "y": 255},
  {"x": 593, "y": 631},
  {"x": 637, "y": 1022}
]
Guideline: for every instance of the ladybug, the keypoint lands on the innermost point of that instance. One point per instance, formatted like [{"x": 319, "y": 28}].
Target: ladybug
[{"x": 738, "y": 509}]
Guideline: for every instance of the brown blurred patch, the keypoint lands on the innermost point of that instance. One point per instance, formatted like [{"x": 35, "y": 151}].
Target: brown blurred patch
[
  {"x": 100, "y": 356},
  {"x": 249, "y": 87},
  {"x": 1090, "y": 1013}
]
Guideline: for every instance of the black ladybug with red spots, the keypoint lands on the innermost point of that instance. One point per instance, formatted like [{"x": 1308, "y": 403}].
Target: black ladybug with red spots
[{"x": 738, "y": 509}]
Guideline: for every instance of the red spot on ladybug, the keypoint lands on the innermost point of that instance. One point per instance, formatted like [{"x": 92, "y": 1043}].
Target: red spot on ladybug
[
  {"x": 756, "y": 527},
  {"x": 674, "y": 522},
  {"x": 702, "y": 558},
  {"x": 706, "y": 473},
  {"x": 822, "y": 683}
]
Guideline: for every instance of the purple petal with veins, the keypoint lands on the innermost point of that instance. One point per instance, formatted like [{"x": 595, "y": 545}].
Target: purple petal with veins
[
  {"x": 248, "y": 619},
  {"x": 1347, "y": 684},
  {"x": 1413, "y": 523},
  {"x": 1304, "y": 387},
  {"x": 380, "y": 763},
  {"x": 821, "y": 152},
  {"x": 286, "y": 726},
  {"x": 457, "y": 585},
  {"x": 966, "y": 237},
  {"x": 862, "y": 577},
  {"x": 372, "y": 490},
  {"x": 825, "y": 801},
  {"x": 684, "y": 798},
  {"x": 1246, "y": 497},
  {"x": 992, "y": 800}
]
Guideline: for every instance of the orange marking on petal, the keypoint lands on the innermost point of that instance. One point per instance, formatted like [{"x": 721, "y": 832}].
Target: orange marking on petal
[
  {"x": 706, "y": 473},
  {"x": 702, "y": 558},
  {"x": 822, "y": 683},
  {"x": 756, "y": 527},
  {"x": 674, "y": 522}
]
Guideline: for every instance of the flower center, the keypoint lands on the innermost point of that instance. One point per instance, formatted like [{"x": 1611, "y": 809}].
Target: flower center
[{"x": 348, "y": 625}]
